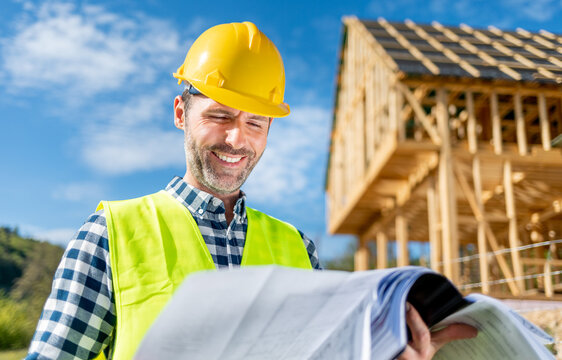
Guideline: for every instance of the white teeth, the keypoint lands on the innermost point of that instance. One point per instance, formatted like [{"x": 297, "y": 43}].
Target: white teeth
[{"x": 228, "y": 159}]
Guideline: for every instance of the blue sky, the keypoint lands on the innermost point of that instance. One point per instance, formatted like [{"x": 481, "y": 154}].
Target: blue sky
[{"x": 86, "y": 97}]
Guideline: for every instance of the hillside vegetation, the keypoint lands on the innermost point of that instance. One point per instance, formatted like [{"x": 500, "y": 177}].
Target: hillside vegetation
[{"x": 27, "y": 267}]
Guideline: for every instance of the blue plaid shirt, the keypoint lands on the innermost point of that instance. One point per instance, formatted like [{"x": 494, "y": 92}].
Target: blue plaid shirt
[{"x": 79, "y": 315}]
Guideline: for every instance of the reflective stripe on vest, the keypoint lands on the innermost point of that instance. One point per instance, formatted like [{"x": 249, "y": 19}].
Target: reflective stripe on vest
[{"x": 154, "y": 243}]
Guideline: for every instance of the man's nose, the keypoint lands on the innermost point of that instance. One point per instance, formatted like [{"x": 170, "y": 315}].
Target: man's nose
[{"x": 235, "y": 137}]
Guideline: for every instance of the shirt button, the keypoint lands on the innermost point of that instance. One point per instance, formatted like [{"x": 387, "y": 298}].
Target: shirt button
[{"x": 200, "y": 211}]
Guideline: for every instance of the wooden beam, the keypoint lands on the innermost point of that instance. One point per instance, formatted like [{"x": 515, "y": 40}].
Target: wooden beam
[
  {"x": 552, "y": 37},
  {"x": 420, "y": 113},
  {"x": 471, "y": 124},
  {"x": 447, "y": 198},
  {"x": 380, "y": 52},
  {"x": 411, "y": 48},
  {"x": 480, "y": 216},
  {"x": 520, "y": 125},
  {"x": 354, "y": 194},
  {"x": 473, "y": 49},
  {"x": 420, "y": 93},
  {"x": 530, "y": 48},
  {"x": 496, "y": 123},
  {"x": 545, "y": 125},
  {"x": 447, "y": 52},
  {"x": 508, "y": 87},
  {"x": 389, "y": 187},
  {"x": 512, "y": 216},
  {"x": 382, "y": 250},
  {"x": 402, "y": 239},
  {"x": 481, "y": 229},
  {"x": 540, "y": 39},
  {"x": 433, "y": 225},
  {"x": 541, "y": 262},
  {"x": 505, "y": 50}
]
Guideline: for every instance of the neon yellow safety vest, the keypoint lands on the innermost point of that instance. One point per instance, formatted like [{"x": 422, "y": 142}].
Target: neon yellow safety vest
[{"x": 154, "y": 243}]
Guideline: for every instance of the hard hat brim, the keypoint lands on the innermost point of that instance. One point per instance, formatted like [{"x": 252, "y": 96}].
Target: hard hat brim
[{"x": 242, "y": 102}]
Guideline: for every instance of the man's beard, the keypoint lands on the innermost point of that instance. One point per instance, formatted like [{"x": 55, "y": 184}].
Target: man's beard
[{"x": 219, "y": 180}]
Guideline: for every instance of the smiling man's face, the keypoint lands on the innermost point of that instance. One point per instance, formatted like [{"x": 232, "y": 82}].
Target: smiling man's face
[{"x": 222, "y": 145}]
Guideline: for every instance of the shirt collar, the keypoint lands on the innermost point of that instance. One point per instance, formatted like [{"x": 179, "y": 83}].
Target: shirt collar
[{"x": 198, "y": 202}]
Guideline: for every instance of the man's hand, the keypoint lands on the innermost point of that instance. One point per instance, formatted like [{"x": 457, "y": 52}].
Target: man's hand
[{"x": 424, "y": 343}]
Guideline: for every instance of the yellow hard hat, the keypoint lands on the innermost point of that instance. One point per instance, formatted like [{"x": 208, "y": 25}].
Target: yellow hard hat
[{"x": 238, "y": 66}]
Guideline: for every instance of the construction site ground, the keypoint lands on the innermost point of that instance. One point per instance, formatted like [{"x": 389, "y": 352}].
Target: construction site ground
[{"x": 546, "y": 314}]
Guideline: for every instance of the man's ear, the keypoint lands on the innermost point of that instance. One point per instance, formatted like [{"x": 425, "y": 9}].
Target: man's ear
[{"x": 179, "y": 116}]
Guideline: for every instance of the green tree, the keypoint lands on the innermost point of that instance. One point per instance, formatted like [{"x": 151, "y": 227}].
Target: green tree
[
  {"x": 345, "y": 262},
  {"x": 27, "y": 267}
]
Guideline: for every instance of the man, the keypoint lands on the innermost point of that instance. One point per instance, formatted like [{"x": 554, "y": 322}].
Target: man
[{"x": 128, "y": 258}]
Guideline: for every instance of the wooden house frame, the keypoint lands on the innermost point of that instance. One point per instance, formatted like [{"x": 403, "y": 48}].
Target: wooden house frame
[{"x": 447, "y": 135}]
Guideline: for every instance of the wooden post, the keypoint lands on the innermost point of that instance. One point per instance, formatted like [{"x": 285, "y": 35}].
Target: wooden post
[
  {"x": 433, "y": 225},
  {"x": 360, "y": 139},
  {"x": 447, "y": 197},
  {"x": 339, "y": 180},
  {"x": 480, "y": 216},
  {"x": 496, "y": 124},
  {"x": 370, "y": 116},
  {"x": 548, "y": 290},
  {"x": 481, "y": 230},
  {"x": 349, "y": 158},
  {"x": 379, "y": 134},
  {"x": 471, "y": 125},
  {"x": 392, "y": 113},
  {"x": 385, "y": 101},
  {"x": 520, "y": 125},
  {"x": 512, "y": 216},
  {"x": 382, "y": 250},
  {"x": 476, "y": 178},
  {"x": 399, "y": 104},
  {"x": 545, "y": 126},
  {"x": 402, "y": 240},
  {"x": 362, "y": 256}
]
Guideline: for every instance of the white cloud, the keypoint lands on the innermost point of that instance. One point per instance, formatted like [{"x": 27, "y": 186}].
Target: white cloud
[
  {"x": 58, "y": 236},
  {"x": 439, "y": 6},
  {"x": 383, "y": 8},
  {"x": 78, "y": 192},
  {"x": 132, "y": 138},
  {"x": 297, "y": 146},
  {"x": 92, "y": 59},
  {"x": 538, "y": 10},
  {"x": 86, "y": 50},
  {"x": 121, "y": 151}
]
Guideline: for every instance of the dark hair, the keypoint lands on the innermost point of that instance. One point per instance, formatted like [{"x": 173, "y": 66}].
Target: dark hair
[{"x": 186, "y": 98}]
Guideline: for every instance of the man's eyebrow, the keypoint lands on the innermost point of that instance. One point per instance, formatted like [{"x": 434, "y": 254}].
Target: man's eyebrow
[
  {"x": 259, "y": 118},
  {"x": 219, "y": 111},
  {"x": 231, "y": 114}
]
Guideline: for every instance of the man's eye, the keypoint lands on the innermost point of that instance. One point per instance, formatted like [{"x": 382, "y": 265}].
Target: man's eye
[{"x": 256, "y": 125}]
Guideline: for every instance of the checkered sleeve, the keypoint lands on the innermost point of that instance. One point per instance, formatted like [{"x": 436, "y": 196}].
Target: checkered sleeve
[
  {"x": 312, "y": 252},
  {"x": 79, "y": 315}
]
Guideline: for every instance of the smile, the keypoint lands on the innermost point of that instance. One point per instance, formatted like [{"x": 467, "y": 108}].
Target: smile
[{"x": 228, "y": 159}]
